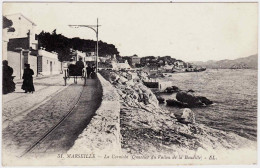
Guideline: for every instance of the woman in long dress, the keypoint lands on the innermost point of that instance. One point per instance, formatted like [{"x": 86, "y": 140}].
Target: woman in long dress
[
  {"x": 28, "y": 79},
  {"x": 8, "y": 83}
]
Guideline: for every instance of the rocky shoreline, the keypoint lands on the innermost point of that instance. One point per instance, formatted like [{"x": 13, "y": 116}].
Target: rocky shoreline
[{"x": 148, "y": 129}]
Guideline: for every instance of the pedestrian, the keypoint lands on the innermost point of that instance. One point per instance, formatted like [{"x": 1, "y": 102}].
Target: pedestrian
[
  {"x": 8, "y": 83},
  {"x": 93, "y": 74},
  {"x": 28, "y": 79},
  {"x": 89, "y": 70}
]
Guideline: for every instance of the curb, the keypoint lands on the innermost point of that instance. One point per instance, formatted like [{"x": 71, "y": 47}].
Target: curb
[{"x": 102, "y": 135}]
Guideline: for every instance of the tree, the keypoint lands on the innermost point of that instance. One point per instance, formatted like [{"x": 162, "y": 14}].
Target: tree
[
  {"x": 8, "y": 24},
  {"x": 61, "y": 45}
]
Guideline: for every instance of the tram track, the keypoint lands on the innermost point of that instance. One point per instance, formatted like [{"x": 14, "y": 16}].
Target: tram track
[
  {"x": 27, "y": 110},
  {"x": 52, "y": 129}
]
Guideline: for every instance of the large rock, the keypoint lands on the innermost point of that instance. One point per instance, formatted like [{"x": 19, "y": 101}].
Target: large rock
[
  {"x": 175, "y": 88},
  {"x": 172, "y": 89},
  {"x": 189, "y": 98},
  {"x": 190, "y": 90},
  {"x": 204, "y": 100},
  {"x": 187, "y": 116},
  {"x": 122, "y": 80},
  {"x": 160, "y": 99},
  {"x": 172, "y": 102}
]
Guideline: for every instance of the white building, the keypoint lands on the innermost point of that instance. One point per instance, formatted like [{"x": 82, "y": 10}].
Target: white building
[
  {"x": 24, "y": 28},
  {"x": 48, "y": 63},
  {"x": 167, "y": 68},
  {"x": 164, "y": 84},
  {"x": 19, "y": 46},
  {"x": 179, "y": 64},
  {"x": 5, "y": 43},
  {"x": 76, "y": 55},
  {"x": 120, "y": 66}
]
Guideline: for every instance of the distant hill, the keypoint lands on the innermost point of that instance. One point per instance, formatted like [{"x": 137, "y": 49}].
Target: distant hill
[{"x": 249, "y": 62}]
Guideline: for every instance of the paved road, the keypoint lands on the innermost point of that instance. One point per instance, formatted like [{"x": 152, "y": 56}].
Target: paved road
[
  {"x": 18, "y": 103},
  {"x": 62, "y": 139},
  {"x": 21, "y": 134}
]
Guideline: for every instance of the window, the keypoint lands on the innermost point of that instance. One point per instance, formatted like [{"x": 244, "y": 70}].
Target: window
[{"x": 47, "y": 61}]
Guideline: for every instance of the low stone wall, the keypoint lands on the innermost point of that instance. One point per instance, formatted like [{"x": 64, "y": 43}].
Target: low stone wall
[{"x": 102, "y": 135}]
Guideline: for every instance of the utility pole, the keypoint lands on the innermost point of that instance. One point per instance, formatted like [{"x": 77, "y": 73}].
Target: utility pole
[
  {"x": 96, "y": 31},
  {"x": 97, "y": 49}
]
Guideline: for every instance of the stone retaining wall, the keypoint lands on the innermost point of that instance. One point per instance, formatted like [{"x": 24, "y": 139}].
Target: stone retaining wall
[{"x": 102, "y": 135}]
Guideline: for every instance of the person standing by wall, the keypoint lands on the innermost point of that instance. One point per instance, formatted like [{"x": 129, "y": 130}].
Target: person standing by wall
[
  {"x": 28, "y": 79},
  {"x": 8, "y": 83}
]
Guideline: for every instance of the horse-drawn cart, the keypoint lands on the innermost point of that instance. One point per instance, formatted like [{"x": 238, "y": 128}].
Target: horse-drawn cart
[{"x": 74, "y": 72}]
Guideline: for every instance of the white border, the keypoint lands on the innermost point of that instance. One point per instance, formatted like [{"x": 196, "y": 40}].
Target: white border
[{"x": 149, "y": 1}]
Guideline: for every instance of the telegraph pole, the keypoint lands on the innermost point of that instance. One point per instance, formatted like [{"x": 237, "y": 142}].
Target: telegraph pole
[
  {"x": 96, "y": 31},
  {"x": 97, "y": 49}
]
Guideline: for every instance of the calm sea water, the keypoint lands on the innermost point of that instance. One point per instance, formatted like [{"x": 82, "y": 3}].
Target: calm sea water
[{"x": 234, "y": 93}]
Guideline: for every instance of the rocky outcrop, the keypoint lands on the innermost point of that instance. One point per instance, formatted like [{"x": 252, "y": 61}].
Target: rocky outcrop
[
  {"x": 175, "y": 103},
  {"x": 204, "y": 100},
  {"x": 190, "y": 100},
  {"x": 160, "y": 99},
  {"x": 187, "y": 116},
  {"x": 172, "y": 89},
  {"x": 148, "y": 129},
  {"x": 190, "y": 90}
]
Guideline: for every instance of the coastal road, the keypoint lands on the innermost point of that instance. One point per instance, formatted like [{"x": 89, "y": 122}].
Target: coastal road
[
  {"x": 21, "y": 134},
  {"x": 18, "y": 104},
  {"x": 62, "y": 138}
]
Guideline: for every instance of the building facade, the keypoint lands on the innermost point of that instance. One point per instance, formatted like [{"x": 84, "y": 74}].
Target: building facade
[
  {"x": 24, "y": 33},
  {"x": 135, "y": 60},
  {"x": 179, "y": 65},
  {"x": 48, "y": 63}
]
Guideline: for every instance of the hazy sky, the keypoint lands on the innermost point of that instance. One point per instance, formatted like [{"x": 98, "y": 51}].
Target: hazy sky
[{"x": 187, "y": 31}]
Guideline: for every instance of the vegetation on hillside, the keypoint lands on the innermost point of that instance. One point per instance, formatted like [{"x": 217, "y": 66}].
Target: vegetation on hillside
[{"x": 61, "y": 45}]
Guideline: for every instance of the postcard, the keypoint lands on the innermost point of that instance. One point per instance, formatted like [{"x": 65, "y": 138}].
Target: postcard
[{"x": 124, "y": 84}]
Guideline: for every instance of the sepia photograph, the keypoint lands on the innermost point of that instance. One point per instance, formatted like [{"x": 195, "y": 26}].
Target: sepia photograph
[{"x": 129, "y": 84}]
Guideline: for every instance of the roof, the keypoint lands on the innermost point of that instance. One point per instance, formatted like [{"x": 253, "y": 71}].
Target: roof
[
  {"x": 123, "y": 66},
  {"x": 22, "y": 16},
  {"x": 167, "y": 67}
]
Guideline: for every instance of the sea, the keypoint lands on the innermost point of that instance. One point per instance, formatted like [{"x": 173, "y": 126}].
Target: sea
[{"x": 234, "y": 93}]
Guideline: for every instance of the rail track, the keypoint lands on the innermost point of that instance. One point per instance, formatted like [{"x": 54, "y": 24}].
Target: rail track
[
  {"x": 25, "y": 111},
  {"x": 52, "y": 129}
]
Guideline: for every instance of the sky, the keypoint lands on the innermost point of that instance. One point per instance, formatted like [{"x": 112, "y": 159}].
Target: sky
[{"x": 187, "y": 31}]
